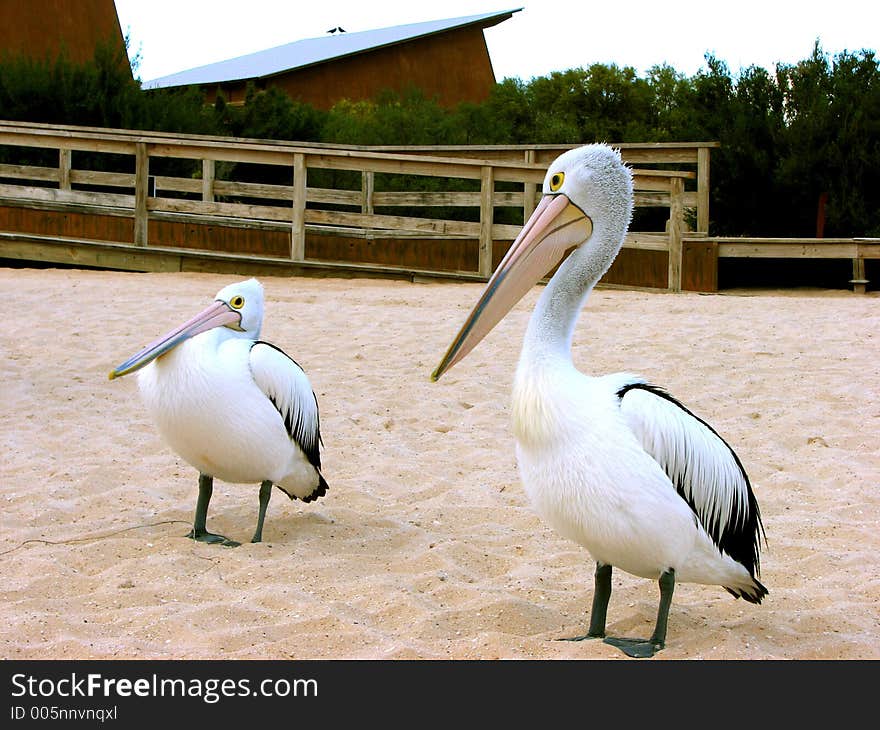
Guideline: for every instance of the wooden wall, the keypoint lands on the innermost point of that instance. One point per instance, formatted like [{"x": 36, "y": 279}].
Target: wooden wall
[
  {"x": 66, "y": 224},
  {"x": 699, "y": 266},
  {"x": 633, "y": 267},
  {"x": 453, "y": 66},
  {"x": 639, "y": 268},
  {"x": 41, "y": 29},
  {"x": 225, "y": 239}
]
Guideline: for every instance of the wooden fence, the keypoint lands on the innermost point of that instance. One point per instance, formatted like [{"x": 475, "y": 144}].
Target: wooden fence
[
  {"x": 145, "y": 217},
  {"x": 694, "y": 156},
  {"x": 858, "y": 250}
]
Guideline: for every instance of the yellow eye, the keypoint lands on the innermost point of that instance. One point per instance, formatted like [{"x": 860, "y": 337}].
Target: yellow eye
[
  {"x": 556, "y": 181},
  {"x": 237, "y": 302}
]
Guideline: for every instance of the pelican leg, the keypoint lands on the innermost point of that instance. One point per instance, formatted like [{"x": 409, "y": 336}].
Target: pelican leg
[
  {"x": 667, "y": 587},
  {"x": 643, "y": 648},
  {"x": 199, "y": 531},
  {"x": 601, "y": 596},
  {"x": 265, "y": 493}
]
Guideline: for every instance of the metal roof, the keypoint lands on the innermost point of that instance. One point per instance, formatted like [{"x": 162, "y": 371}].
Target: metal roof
[{"x": 311, "y": 51}]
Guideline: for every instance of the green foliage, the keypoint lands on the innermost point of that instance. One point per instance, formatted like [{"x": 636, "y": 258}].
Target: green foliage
[
  {"x": 265, "y": 114},
  {"x": 507, "y": 117},
  {"x": 604, "y": 103},
  {"x": 270, "y": 114},
  {"x": 57, "y": 91},
  {"x": 787, "y": 137},
  {"x": 99, "y": 94},
  {"x": 670, "y": 110},
  {"x": 745, "y": 115},
  {"x": 833, "y": 132},
  {"x": 392, "y": 118}
]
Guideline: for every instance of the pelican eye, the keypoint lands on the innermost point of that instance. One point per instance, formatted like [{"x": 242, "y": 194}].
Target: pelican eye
[
  {"x": 237, "y": 302},
  {"x": 556, "y": 181}
]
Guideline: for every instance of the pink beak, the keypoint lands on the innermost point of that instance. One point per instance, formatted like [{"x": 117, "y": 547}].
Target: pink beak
[
  {"x": 217, "y": 315},
  {"x": 555, "y": 228}
]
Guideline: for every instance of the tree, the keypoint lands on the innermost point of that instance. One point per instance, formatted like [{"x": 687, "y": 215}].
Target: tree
[{"x": 787, "y": 137}]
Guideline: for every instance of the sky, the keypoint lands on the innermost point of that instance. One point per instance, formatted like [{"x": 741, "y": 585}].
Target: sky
[{"x": 545, "y": 36}]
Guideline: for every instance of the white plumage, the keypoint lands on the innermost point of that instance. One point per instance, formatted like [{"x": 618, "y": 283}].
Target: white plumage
[
  {"x": 232, "y": 406},
  {"x": 611, "y": 462}
]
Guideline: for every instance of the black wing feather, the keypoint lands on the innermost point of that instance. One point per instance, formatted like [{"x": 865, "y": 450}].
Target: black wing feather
[{"x": 739, "y": 535}]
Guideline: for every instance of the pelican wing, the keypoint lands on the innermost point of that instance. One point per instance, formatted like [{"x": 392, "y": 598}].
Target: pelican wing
[
  {"x": 701, "y": 465},
  {"x": 285, "y": 383}
]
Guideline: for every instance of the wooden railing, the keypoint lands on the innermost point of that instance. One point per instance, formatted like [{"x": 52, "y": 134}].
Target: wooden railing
[
  {"x": 694, "y": 156},
  {"x": 494, "y": 178},
  {"x": 857, "y": 249}
]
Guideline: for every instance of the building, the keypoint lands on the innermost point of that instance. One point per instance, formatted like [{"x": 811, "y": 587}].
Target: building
[
  {"x": 447, "y": 59},
  {"x": 44, "y": 29}
]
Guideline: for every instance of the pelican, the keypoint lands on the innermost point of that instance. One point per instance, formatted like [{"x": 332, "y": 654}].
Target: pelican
[
  {"x": 612, "y": 462},
  {"x": 232, "y": 406}
]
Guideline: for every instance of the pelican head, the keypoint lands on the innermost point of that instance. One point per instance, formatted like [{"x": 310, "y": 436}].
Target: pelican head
[
  {"x": 237, "y": 307},
  {"x": 581, "y": 218}
]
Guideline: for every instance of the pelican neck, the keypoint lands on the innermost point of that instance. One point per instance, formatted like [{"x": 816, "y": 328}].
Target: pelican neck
[{"x": 551, "y": 327}]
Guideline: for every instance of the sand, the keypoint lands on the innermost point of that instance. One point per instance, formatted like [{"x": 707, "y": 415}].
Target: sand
[{"x": 426, "y": 545}]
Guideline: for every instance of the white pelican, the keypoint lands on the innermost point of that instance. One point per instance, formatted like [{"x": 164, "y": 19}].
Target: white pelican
[
  {"x": 232, "y": 406},
  {"x": 611, "y": 462}
]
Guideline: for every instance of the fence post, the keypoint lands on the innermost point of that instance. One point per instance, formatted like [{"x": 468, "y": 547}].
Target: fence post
[
  {"x": 676, "y": 223},
  {"x": 859, "y": 281},
  {"x": 64, "y": 156},
  {"x": 703, "y": 189},
  {"x": 141, "y": 190},
  {"x": 487, "y": 213},
  {"x": 529, "y": 190},
  {"x": 208, "y": 171},
  {"x": 298, "y": 221},
  {"x": 368, "y": 179}
]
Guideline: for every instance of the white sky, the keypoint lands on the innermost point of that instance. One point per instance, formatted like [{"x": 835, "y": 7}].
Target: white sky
[{"x": 550, "y": 35}]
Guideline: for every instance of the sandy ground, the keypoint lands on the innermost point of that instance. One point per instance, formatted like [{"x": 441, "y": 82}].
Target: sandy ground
[{"x": 425, "y": 546}]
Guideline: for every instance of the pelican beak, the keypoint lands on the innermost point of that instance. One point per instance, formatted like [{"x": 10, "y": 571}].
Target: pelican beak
[
  {"x": 219, "y": 314},
  {"x": 556, "y": 227}
]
